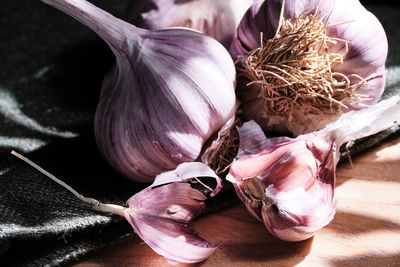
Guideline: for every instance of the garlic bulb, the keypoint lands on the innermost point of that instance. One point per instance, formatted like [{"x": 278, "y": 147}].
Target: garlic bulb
[
  {"x": 169, "y": 92},
  {"x": 216, "y": 18},
  {"x": 289, "y": 183},
  {"x": 316, "y": 60}
]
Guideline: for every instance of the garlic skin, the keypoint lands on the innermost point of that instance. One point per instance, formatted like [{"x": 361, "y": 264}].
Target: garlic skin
[
  {"x": 346, "y": 20},
  {"x": 216, "y": 18},
  {"x": 161, "y": 214},
  {"x": 289, "y": 183},
  {"x": 169, "y": 92}
]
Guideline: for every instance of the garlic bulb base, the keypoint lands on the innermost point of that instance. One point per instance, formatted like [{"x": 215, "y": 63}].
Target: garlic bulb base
[
  {"x": 293, "y": 72},
  {"x": 312, "y": 58},
  {"x": 299, "y": 124}
]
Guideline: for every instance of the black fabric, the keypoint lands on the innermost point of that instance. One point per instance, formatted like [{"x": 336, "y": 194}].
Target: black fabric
[{"x": 51, "y": 71}]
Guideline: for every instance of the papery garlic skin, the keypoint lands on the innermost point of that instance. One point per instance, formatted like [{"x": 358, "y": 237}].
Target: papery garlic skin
[
  {"x": 161, "y": 214},
  {"x": 347, "y": 20},
  {"x": 289, "y": 183},
  {"x": 169, "y": 92},
  {"x": 216, "y": 18}
]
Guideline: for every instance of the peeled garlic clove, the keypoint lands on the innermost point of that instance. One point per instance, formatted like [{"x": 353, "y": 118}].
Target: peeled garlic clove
[
  {"x": 319, "y": 61},
  {"x": 161, "y": 214},
  {"x": 289, "y": 183},
  {"x": 286, "y": 183},
  {"x": 216, "y": 18},
  {"x": 169, "y": 92}
]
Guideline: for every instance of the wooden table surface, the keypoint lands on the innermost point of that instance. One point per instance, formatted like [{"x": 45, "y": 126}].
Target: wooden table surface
[{"x": 364, "y": 232}]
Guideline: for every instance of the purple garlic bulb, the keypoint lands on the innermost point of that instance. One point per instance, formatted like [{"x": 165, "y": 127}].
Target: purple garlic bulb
[
  {"x": 302, "y": 63},
  {"x": 169, "y": 93},
  {"x": 216, "y": 18}
]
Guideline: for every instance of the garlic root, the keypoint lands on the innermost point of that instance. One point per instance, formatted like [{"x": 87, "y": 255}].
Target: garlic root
[{"x": 294, "y": 70}]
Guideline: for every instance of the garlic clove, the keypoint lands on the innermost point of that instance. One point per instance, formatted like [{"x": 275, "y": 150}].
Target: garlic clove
[
  {"x": 356, "y": 57},
  {"x": 161, "y": 214},
  {"x": 170, "y": 91},
  {"x": 303, "y": 210},
  {"x": 286, "y": 183},
  {"x": 163, "y": 224},
  {"x": 289, "y": 183},
  {"x": 216, "y": 18}
]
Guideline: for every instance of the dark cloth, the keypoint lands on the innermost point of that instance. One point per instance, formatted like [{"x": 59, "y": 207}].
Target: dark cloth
[{"x": 51, "y": 71}]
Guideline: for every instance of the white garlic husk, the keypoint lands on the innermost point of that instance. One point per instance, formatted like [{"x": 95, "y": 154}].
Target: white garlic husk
[
  {"x": 170, "y": 91},
  {"x": 216, "y": 18}
]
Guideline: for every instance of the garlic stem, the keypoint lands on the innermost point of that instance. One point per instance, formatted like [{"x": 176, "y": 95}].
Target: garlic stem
[
  {"x": 110, "y": 208},
  {"x": 114, "y": 33},
  {"x": 96, "y": 205}
]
